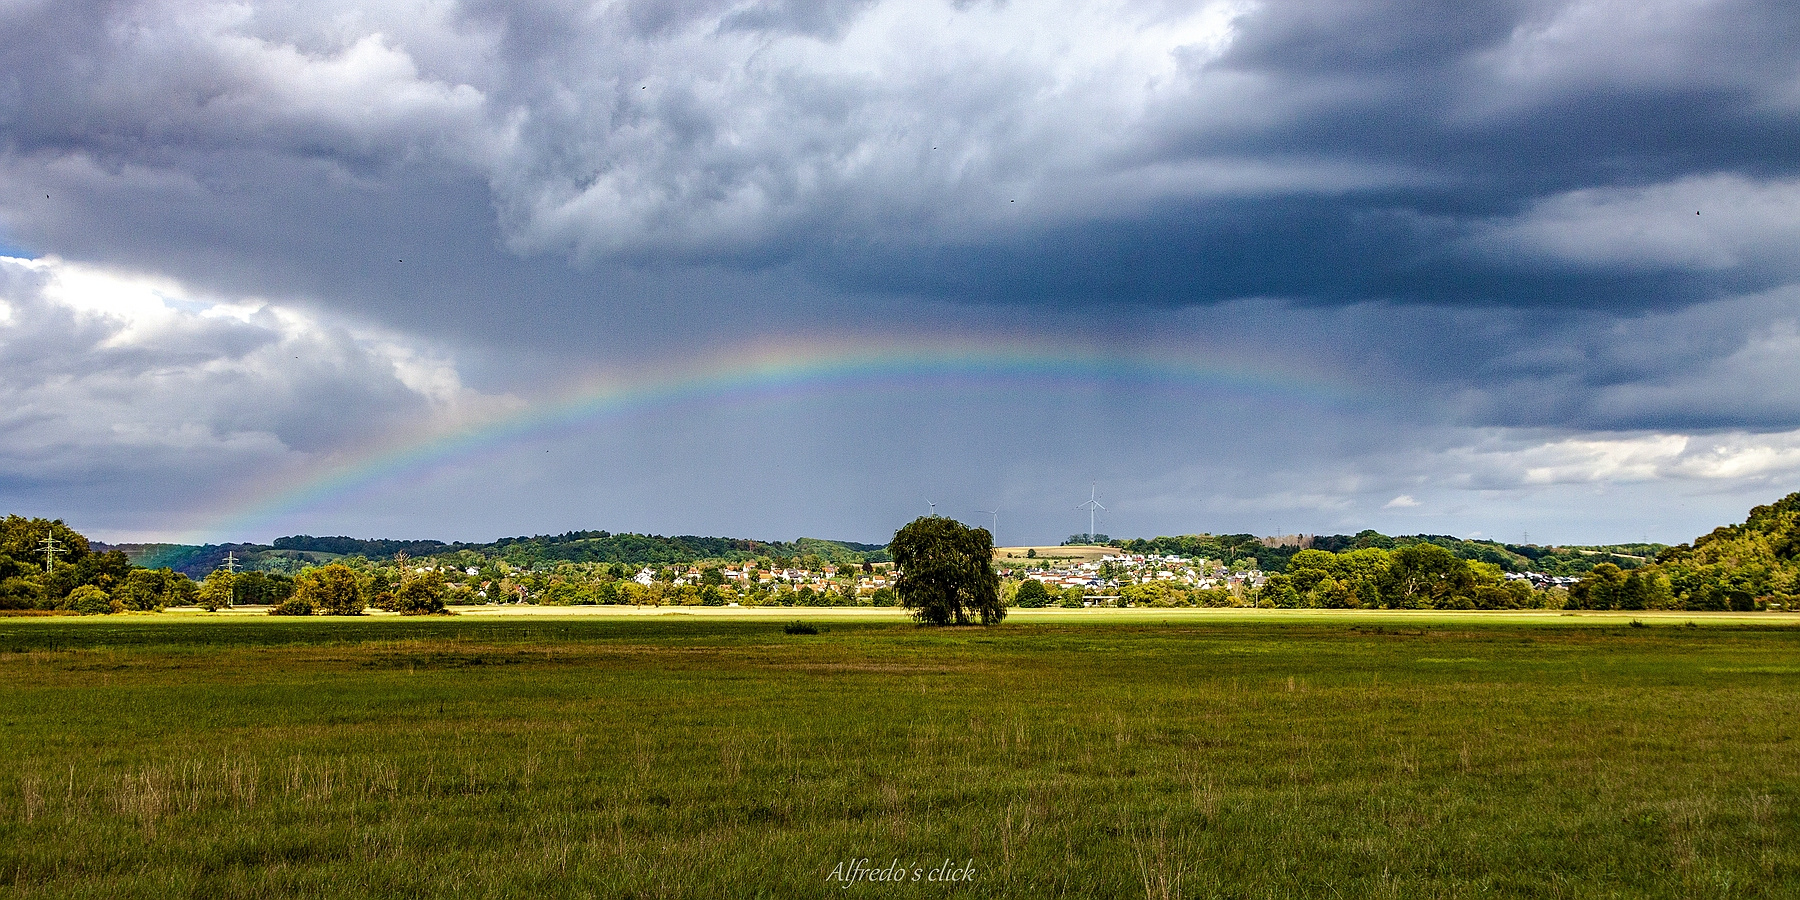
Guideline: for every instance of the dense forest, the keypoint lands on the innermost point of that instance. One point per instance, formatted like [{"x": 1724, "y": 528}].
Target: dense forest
[{"x": 46, "y": 566}]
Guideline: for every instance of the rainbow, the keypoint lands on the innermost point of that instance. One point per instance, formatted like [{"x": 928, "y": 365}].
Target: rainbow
[{"x": 774, "y": 372}]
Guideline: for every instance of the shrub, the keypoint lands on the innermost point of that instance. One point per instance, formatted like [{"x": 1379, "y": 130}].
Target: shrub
[
  {"x": 1032, "y": 595},
  {"x": 89, "y": 601},
  {"x": 292, "y": 607},
  {"x": 215, "y": 591},
  {"x": 19, "y": 593},
  {"x": 147, "y": 589},
  {"x": 333, "y": 590},
  {"x": 421, "y": 596}
]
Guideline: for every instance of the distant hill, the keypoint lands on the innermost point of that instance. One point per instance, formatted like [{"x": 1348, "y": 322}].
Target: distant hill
[
  {"x": 348, "y": 546},
  {"x": 1273, "y": 557},
  {"x": 290, "y": 554},
  {"x": 1752, "y": 565},
  {"x": 1770, "y": 533},
  {"x": 650, "y": 549},
  {"x": 197, "y": 560}
]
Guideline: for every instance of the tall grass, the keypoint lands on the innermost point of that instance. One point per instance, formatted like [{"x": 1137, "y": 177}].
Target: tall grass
[{"x": 724, "y": 758}]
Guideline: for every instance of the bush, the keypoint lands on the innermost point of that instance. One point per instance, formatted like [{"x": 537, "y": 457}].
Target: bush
[
  {"x": 89, "y": 601},
  {"x": 292, "y": 607},
  {"x": 1032, "y": 595},
  {"x": 19, "y": 593},
  {"x": 800, "y": 628},
  {"x": 149, "y": 589},
  {"x": 215, "y": 591},
  {"x": 333, "y": 590},
  {"x": 421, "y": 596},
  {"x": 1212, "y": 597}
]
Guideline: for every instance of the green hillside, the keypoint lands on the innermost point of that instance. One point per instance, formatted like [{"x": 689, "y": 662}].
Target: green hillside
[{"x": 291, "y": 554}]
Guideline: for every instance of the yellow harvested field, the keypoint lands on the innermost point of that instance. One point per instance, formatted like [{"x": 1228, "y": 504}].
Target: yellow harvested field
[{"x": 1078, "y": 554}]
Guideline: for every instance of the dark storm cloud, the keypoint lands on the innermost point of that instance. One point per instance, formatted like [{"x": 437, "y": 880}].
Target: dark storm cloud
[
  {"x": 1326, "y": 152},
  {"x": 1426, "y": 90},
  {"x": 1318, "y": 251}
]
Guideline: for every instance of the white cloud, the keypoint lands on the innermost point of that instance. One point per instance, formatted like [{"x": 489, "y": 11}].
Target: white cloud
[
  {"x": 1404, "y": 501},
  {"x": 1633, "y": 45},
  {"x": 1710, "y": 222},
  {"x": 1504, "y": 458},
  {"x": 232, "y": 76},
  {"x": 125, "y": 383}
]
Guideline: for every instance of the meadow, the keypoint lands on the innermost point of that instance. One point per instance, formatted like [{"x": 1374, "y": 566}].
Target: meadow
[{"x": 1148, "y": 753}]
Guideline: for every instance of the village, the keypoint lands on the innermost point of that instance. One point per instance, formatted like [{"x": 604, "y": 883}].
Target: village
[{"x": 1098, "y": 580}]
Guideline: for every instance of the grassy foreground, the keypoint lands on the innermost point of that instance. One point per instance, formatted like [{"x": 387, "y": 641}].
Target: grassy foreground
[{"x": 674, "y": 756}]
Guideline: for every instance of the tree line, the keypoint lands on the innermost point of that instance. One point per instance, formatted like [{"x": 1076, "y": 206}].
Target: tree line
[
  {"x": 1242, "y": 549},
  {"x": 47, "y": 566},
  {"x": 295, "y": 553}
]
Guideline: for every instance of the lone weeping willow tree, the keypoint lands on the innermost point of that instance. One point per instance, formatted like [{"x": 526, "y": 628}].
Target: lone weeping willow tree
[{"x": 946, "y": 572}]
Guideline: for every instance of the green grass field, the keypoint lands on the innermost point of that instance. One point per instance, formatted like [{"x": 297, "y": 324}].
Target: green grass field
[{"x": 1138, "y": 754}]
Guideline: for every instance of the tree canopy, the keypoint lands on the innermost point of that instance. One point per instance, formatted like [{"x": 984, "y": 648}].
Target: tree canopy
[
  {"x": 946, "y": 572},
  {"x": 29, "y": 580},
  {"x": 332, "y": 590}
]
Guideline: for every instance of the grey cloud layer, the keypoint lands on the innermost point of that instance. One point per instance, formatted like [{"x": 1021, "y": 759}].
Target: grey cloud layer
[{"x": 1137, "y": 151}]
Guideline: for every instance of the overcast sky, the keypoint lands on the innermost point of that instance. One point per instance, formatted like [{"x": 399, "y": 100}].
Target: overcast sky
[{"x": 1499, "y": 269}]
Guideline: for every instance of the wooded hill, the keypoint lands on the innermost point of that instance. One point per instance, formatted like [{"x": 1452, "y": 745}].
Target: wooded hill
[
  {"x": 291, "y": 554},
  {"x": 1238, "y": 548}
]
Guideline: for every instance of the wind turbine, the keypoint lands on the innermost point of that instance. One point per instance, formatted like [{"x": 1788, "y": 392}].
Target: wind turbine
[
  {"x": 996, "y": 514},
  {"x": 1092, "y": 504},
  {"x": 932, "y": 505}
]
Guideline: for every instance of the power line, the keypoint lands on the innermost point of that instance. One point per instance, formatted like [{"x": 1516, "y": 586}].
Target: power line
[{"x": 50, "y": 551}]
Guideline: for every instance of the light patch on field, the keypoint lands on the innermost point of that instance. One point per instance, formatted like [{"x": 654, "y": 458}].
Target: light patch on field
[{"x": 1089, "y": 553}]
